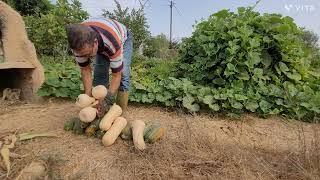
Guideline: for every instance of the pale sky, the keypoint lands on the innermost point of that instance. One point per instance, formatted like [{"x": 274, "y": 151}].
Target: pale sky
[{"x": 306, "y": 13}]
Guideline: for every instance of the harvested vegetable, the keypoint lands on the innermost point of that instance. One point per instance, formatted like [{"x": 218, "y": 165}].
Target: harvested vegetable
[
  {"x": 114, "y": 112},
  {"x": 126, "y": 133},
  {"x": 112, "y": 134},
  {"x": 92, "y": 128},
  {"x": 84, "y": 100},
  {"x": 152, "y": 132},
  {"x": 88, "y": 114},
  {"x": 99, "y": 92},
  {"x": 137, "y": 134}
]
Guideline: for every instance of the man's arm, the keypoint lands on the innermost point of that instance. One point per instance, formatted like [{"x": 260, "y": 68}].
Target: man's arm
[
  {"x": 86, "y": 75},
  {"x": 115, "y": 83}
]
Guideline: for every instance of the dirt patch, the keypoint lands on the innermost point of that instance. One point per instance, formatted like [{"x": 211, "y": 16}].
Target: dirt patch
[{"x": 194, "y": 146}]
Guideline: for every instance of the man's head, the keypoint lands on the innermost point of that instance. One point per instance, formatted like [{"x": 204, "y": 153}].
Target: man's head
[{"x": 82, "y": 40}]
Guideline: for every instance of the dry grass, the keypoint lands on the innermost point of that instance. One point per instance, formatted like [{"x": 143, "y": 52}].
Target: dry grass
[{"x": 195, "y": 147}]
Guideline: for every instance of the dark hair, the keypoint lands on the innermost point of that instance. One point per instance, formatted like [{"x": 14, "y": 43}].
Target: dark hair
[{"x": 78, "y": 35}]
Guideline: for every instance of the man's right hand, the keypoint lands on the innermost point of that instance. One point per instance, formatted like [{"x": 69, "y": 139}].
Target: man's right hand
[{"x": 102, "y": 108}]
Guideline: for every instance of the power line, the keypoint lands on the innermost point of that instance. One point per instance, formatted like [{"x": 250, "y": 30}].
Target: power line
[
  {"x": 177, "y": 10},
  {"x": 257, "y": 2},
  {"x": 182, "y": 17}
]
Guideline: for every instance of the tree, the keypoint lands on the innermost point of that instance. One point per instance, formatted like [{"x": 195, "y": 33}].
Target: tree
[
  {"x": 156, "y": 46},
  {"x": 310, "y": 38},
  {"x": 47, "y": 31},
  {"x": 30, "y": 7},
  {"x": 135, "y": 20}
]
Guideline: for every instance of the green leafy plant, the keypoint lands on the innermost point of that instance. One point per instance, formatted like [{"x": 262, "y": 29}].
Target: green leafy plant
[
  {"x": 61, "y": 80},
  {"x": 253, "y": 62}
]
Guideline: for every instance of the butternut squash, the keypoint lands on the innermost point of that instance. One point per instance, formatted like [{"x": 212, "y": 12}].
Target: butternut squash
[
  {"x": 152, "y": 132},
  {"x": 114, "y": 112},
  {"x": 88, "y": 114},
  {"x": 83, "y": 100},
  {"x": 126, "y": 133},
  {"x": 99, "y": 92},
  {"x": 137, "y": 134},
  {"x": 112, "y": 134}
]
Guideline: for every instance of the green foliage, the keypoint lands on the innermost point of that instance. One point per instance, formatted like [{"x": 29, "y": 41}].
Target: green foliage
[
  {"x": 61, "y": 79},
  {"x": 232, "y": 46},
  {"x": 134, "y": 20},
  {"x": 158, "y": 46},
  {"x": 30, "y": 7},
  {"x": 236, "y": 63},
  {"x": 47, "y": 30},
  {"x": 300, "y": 102}
]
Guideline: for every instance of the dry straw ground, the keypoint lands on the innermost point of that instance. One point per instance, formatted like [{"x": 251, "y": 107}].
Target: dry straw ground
[{"x": 195, "y": 147}]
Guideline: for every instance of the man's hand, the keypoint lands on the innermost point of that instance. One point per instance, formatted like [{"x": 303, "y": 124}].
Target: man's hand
[{"x": 101, "y": 108}]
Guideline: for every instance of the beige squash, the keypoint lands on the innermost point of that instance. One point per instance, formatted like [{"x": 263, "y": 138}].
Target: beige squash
[
  {"x": 88, "y": 114},
  {"x": 106, "y": 122},
  {"x": 113, "y": 133},
  {"x": 84, "y": 100},
  {"x": 137, "y": 134},
  {"x": 99, "y": 92}
]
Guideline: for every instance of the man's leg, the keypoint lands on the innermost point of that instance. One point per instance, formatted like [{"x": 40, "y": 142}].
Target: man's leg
[
  {"x": 101, "y": 71},
  {"x": 123, "y": 93}
]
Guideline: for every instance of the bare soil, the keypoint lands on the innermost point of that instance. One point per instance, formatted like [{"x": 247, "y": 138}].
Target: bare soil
[{"x": 194, "y": 147}]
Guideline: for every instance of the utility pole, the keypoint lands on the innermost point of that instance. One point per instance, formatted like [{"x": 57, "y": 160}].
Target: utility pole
[{"x": 171, "y": 5}]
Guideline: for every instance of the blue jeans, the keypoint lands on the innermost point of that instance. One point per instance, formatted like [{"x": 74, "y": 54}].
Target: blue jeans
[{"x": 102, "y": 65}]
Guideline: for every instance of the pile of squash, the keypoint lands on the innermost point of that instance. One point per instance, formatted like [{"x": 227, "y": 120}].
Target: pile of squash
[{"x": 112, "y": 124}]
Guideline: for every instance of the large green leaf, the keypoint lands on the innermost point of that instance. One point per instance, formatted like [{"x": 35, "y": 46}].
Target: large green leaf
[
  {"x": 253, "y": 59},
  {"x": 266, "y": 59},
  {"x": 209, "y": 99},
  {"x": 294, "y": 76},
  {"x": 283, "y": 67},
  {"x": 236, "y": 105},
  {"x": 265, "y": 106},
  {"x": 214, "y": 107},
  {"x": 188, "y": 102},
  {"x": 252, "y": 105}
]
